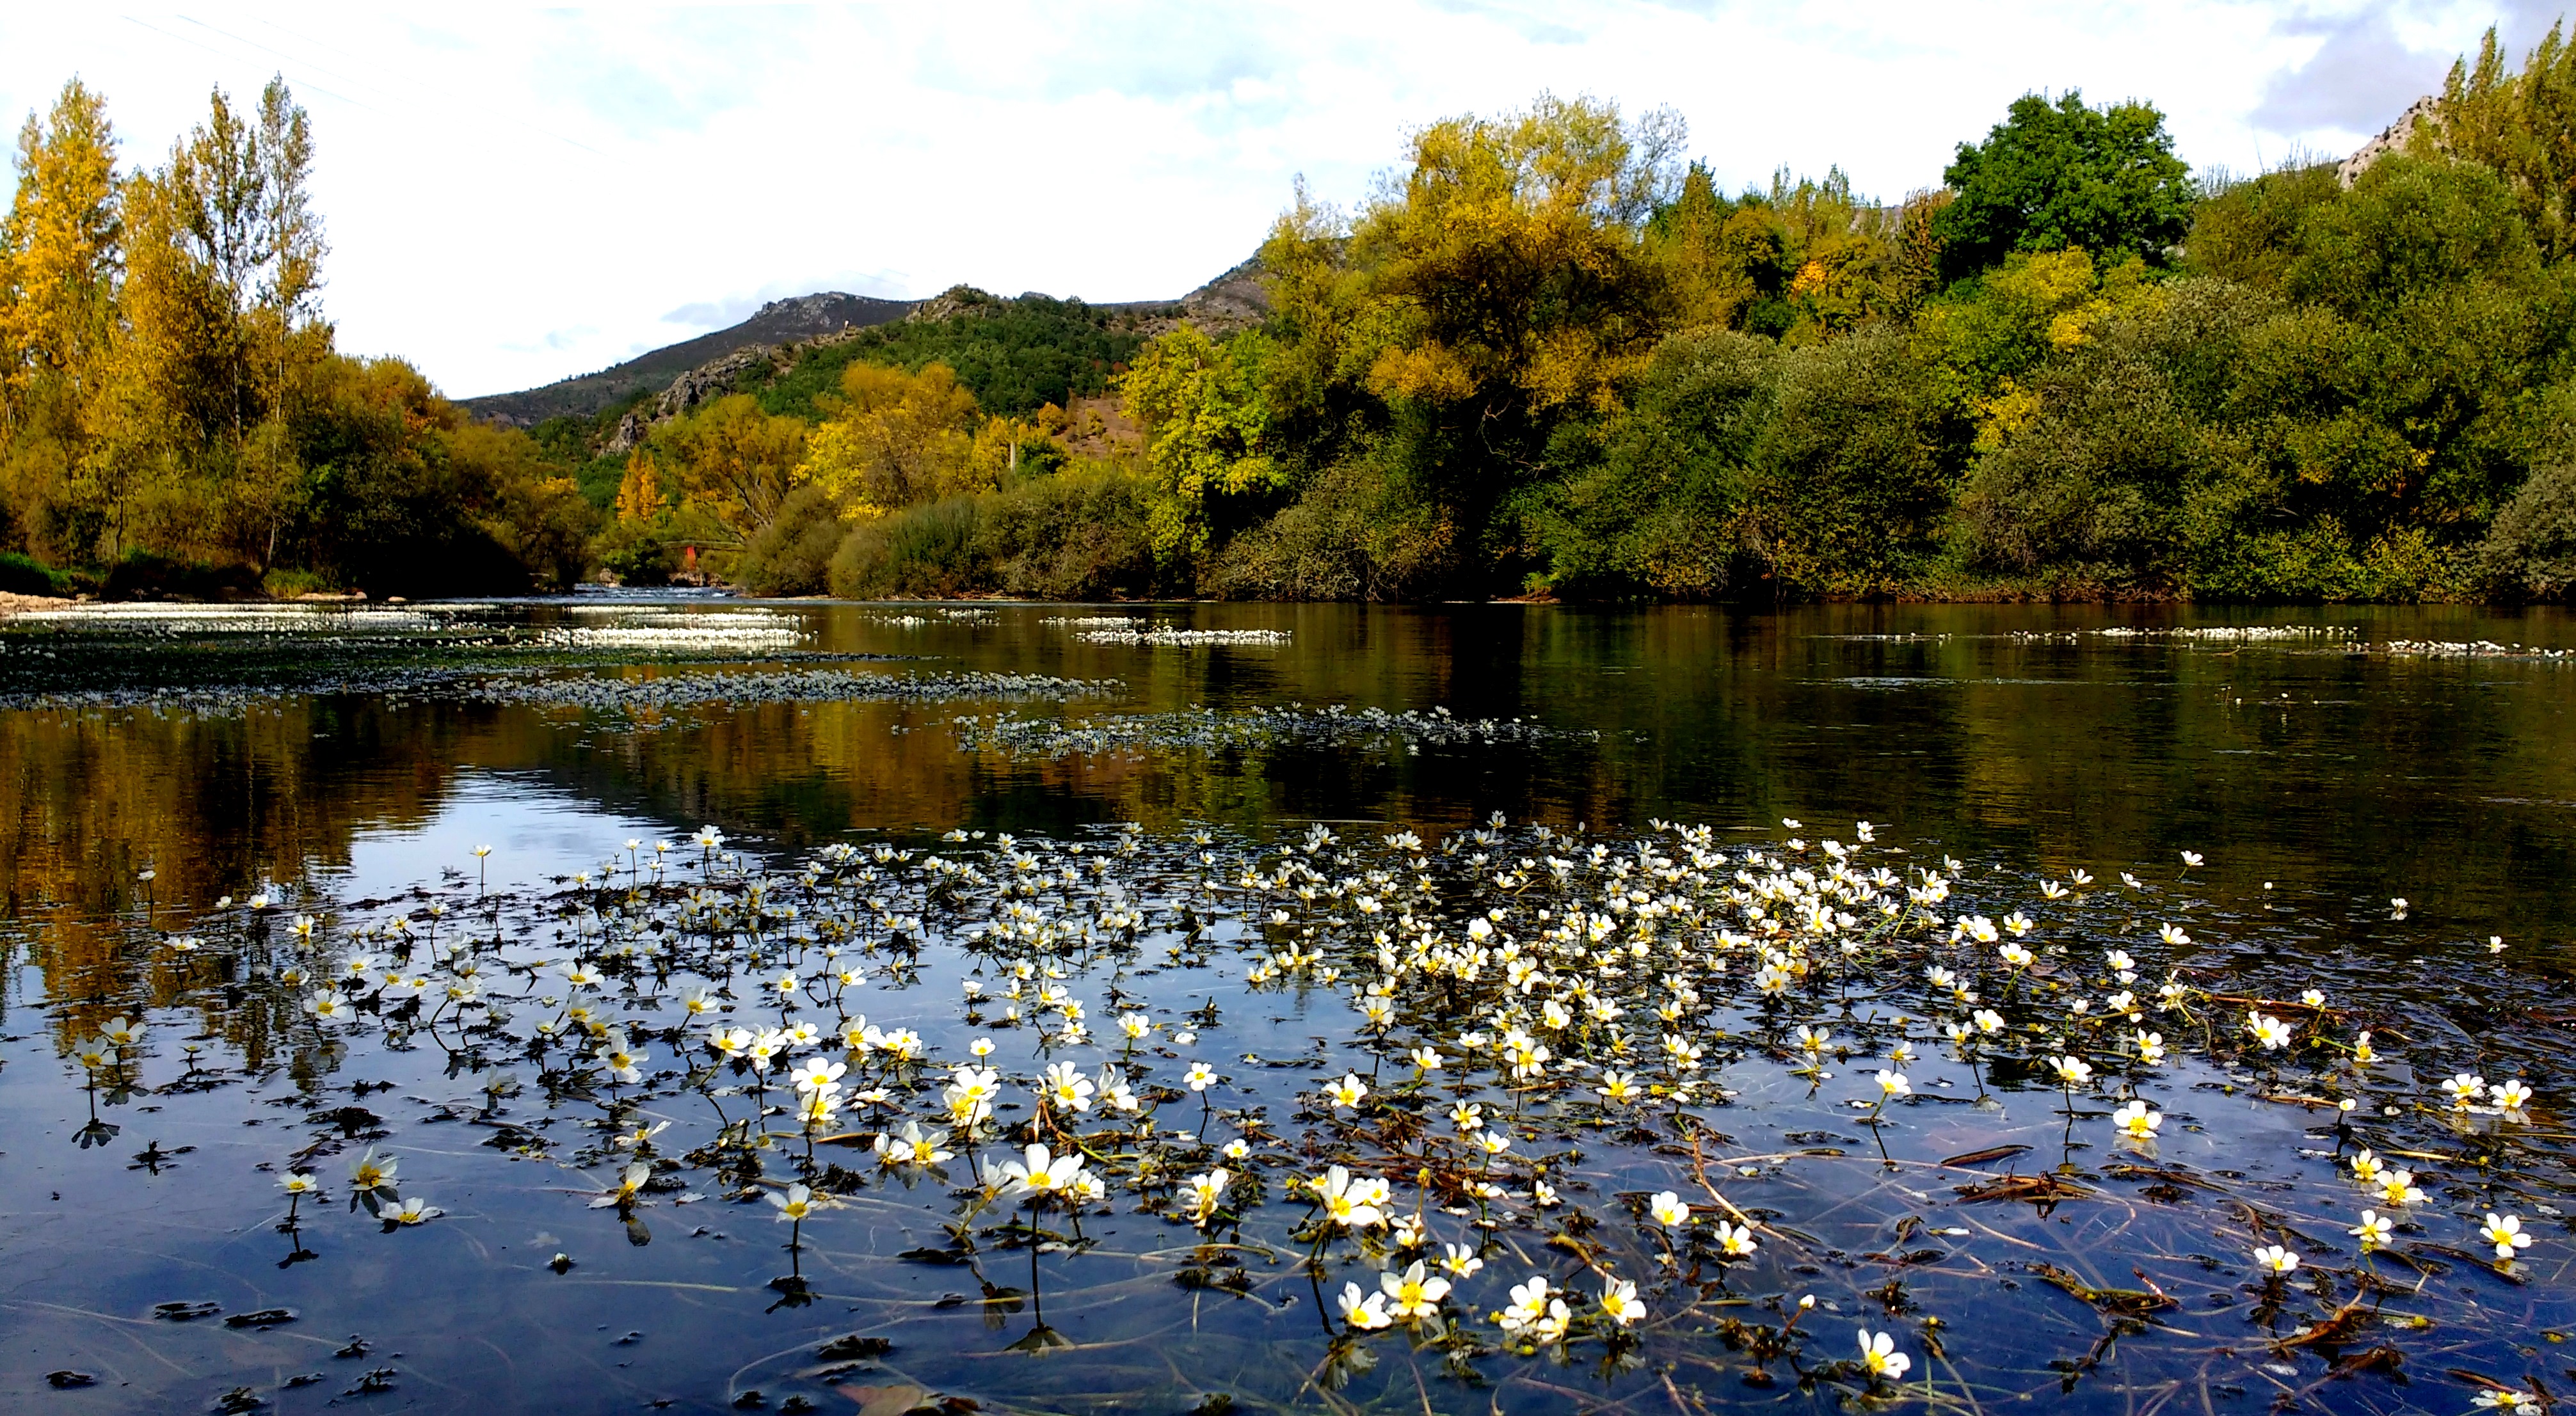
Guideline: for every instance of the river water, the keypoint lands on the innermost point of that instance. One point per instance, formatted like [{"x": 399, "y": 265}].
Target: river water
[{"x": 1144, "y": 797}]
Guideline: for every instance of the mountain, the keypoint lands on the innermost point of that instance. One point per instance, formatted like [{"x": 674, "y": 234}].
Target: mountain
[
  {"x": 687, "y": 372},
  {"x": 778, "y": 322}
]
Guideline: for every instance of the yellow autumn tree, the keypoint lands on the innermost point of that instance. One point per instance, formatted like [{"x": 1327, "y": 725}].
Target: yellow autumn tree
[
  {"x": 1509, "y": 262},
  {"x": 61, "y": 246},
  {"x": 639, "y": 492},
  {"x": 736, "y": 464},
  {"x": 897, "y": 439}
]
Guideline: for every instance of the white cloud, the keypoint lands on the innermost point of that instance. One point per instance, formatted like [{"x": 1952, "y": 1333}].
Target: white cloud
[{"x": 518, "y": 194}]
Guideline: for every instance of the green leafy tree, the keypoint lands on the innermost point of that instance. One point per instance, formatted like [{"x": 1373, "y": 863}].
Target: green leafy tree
[
  {"x": 2054, "y": 176},
  {"x": 2522, "y": 125},
  {"x": 1205, "y": 413}
]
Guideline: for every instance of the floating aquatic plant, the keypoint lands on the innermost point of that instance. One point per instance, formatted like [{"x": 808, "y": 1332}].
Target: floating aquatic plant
[{"x": 1549, "y": 1092}]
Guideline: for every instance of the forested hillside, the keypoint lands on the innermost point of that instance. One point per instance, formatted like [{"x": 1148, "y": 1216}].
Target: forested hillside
[{"x": 1548, "y": 355}]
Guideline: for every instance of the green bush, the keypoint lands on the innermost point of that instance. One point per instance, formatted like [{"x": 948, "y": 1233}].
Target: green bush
[
  {"x": 919, "y": 551},
  {"x": 2530, "y": 552},
  {"x": 792, "y": 555},
  {"x": 1661, "y": 510},
  {"x": 1359, "y": 532},
  {"x": 22, "y": 574},
  {"x": 148, "y": 575},
  {"x": 1847, "y": 487},
  {"x": 1077, "y": 535}
]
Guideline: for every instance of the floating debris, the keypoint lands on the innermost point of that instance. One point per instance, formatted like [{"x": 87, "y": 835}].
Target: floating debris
[
  {"x": 2472, "y": 649},
  {"x": 602, "y": 693},
  {"x": 594, "y": 692},
  {"x": 1206, "y": 729},
  {"x": 2233, "y": 633},
  {"x": 1183, "y": 638}
]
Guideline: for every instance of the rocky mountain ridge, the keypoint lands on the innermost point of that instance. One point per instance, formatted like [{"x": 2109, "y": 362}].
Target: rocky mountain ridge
[
  {"x": 710, "y": 365},
  {"x": 778, "y": 322}
]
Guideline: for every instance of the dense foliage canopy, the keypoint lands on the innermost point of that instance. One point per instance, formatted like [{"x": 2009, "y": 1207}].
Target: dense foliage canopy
[
  {"x": 1546, "y": 355},
  {"x": 173, "y": 414}
]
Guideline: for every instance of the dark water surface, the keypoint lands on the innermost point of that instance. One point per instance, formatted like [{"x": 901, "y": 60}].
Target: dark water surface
[{"x": 346, "y": 766}]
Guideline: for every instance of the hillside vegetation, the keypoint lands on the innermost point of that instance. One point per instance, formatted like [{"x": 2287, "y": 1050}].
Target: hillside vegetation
[{"x": 1546, "y": 356}]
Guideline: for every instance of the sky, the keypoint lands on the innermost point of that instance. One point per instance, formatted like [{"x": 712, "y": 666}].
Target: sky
[{"x": 515, "y": 195}]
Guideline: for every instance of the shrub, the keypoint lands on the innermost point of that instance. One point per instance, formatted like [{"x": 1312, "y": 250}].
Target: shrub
[
  {"x": 1357, "y": 533},
  {"x": 22, "y": 574},
  {"x": 923, "y": 550},
  {"x": 148, "y": 575},
  {"x": 792, "y": 555},
  {"x": 2530, "y": 551},
  {"x": 1846, "y": 487},
  {"x": 1077, "y": 535}
]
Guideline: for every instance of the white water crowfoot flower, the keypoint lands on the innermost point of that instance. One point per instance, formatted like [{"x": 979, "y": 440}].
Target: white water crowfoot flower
[
  {"x": 412, "y": 1211},
  {"x": 1414, "y": 1294},
  {"x": 1207, "y": 1192},
  {"x": 1878, "y": 1353},
  {"x": 2268, "y": 1030},
  {"x": 1365, "y": 1311},
  {"x": 1346, "y": 1093},
  {"x": 816, "y": 1073},
  {"x": 623, "y": 1060},
  {"x": 1535, "y": 1313},
  {"x": 2505, "y": 1232},
  {"x": 373, "y": 1174},
  {"x": 2510, "y": 1095},
  {"x": 794, "y": 1205},
  {"x": 2507, "y": 1399},
  {"x": 1043, "y": 1174},
  {"x": 2398, "y": 1187},
  {"x": 2465, "y": 1088},
  {"x": 2375, "y": 1230},
  {"x": 1352, "y": 1203},
  {"x": 2275, "y": 1261},
  {"x": 911, "y": 1148},
  {"x": 630, "y": 1184},
  {"x": 1067, "y": 1088},
  {"x": 1735, "y": 1240},
  {"x": 2137, "y": 1120},
  {"x": 1668, "y": 1210},
  {"x": 1619, "y": 1302}
]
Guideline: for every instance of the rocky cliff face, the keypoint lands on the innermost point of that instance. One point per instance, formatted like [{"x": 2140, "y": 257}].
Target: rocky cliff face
[{"x": 2393, "y": 138}]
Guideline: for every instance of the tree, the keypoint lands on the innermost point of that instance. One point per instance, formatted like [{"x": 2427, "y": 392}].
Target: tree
[
  {"x": 2055, "y": 176},
  {"x": 736, "y": 463},
  {"x": 62, "y": 249},
  {"x": 1508, "y": 268},
  {"x": 897, "y": 439},
  {"x": 2521, "y": 125},
  {"x": 639, "y": 493},
  {"x": 1205, "y": 414}
]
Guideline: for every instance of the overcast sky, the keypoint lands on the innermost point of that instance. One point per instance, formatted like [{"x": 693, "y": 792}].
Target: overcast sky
[{"x": 514, "y": 195}]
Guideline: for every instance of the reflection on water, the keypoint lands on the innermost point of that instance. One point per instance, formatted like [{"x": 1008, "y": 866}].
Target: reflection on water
[{"x": 2321, "y": 776}]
